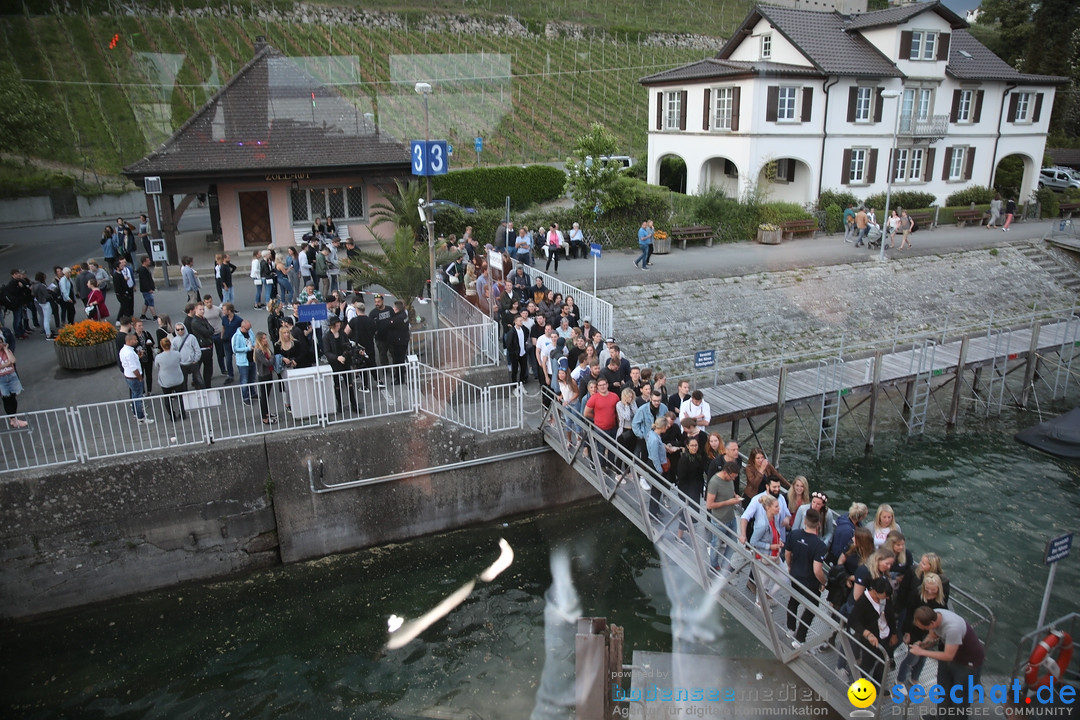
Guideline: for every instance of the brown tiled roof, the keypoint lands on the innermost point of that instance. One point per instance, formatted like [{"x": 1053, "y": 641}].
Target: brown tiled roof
[
  {"x": 1069, "y": 157},
  {"x": 712, "y": 68},
  {"x": 969, "y": 59},
  {"x": 264, "y": 119},
  {"x": 822, "y": 38},
  {"x": 897, "y": 15}
]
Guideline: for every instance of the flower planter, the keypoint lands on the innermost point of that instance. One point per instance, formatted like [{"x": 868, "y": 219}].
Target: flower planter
[
  {"x": 86, "y": 357},
  {"x": 661, "y": 246},
  {"x": 769, "y": 237}
]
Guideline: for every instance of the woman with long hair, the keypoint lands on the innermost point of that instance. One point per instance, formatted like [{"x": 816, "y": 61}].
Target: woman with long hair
[
  {"x": 758, "y": 468},
  {"x": 931, "y": 593},
  {"x": 714, "y": 451},
  {"x": 170, "y": 377},
  {"x": 567, "y": 392},
  {"x": 263, "y": 355},
  {"x": 799, "y": 494},
  {"x": 877, "y": 565},
  {"x": 884, "y": 523},
  {"x": 10, "y": 387}
]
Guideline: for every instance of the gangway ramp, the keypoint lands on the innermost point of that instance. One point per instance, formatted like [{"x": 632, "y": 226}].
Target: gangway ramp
[{"x": 659, "y": 511}]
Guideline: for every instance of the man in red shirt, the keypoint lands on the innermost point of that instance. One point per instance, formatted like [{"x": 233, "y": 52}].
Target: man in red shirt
[{"x": 601, "y": 408}]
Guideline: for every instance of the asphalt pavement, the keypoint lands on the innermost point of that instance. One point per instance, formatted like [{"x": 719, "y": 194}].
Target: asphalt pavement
[{"x": 40, "y": 247}]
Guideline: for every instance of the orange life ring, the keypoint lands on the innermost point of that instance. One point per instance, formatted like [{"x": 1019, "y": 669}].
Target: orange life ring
[{"x": 1056, "y": 639}]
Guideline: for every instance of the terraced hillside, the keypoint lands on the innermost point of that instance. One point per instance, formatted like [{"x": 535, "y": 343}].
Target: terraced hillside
[{"x": 528, "y": 96}]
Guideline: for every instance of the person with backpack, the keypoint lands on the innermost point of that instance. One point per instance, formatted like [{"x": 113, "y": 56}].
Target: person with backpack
[{"x": 110, "y": 248}]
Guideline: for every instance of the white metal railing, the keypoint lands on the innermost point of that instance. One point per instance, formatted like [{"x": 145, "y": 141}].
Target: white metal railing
[
  {"x": 110, "y": 429},
  {"x": 600, "y": 312},
  {"x": 483, "y": 409},
  {"x": 455, "y": 309},
  {"x": 454, "y": 348}
]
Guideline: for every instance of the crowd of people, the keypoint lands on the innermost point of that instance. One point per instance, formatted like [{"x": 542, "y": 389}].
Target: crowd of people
[{"x": 859, "y": 564}]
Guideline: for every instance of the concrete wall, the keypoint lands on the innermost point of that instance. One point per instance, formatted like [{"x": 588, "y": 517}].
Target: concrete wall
[
  {"x": 39, "y": 209},
  {"x": 89, "y": 533},
  {"x": 26, "y": 210}
]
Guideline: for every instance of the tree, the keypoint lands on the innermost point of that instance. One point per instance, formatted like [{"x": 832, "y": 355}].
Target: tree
[
  {"x": 401, "y": 210},
  {"x": 22, "y": 123},
  {"x": 401, "y": 268},
  {"x": 589, "y": 180}
]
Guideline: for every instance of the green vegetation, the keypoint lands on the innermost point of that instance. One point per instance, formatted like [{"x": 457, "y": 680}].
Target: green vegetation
[
  {"x": 489, "y": 186},
  {"x": 901, "y": 199},
  {"x": 590, "y": 181},
  {"x": 976, "y": 194}
]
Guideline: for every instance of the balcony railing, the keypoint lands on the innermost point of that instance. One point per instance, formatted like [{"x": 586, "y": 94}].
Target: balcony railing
[{"x": 934, "y": 126}]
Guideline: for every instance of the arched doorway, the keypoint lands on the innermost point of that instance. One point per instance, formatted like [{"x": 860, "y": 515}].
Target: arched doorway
[
  {"x": 1013, "y": 174},
  {"x": 720, "y": 174},
  {"x": 673, "y": 173},
  {"x": 785, "y": 180}
]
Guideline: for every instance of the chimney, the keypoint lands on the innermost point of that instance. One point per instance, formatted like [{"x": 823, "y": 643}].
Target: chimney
[{"x": 260, "y": 43}]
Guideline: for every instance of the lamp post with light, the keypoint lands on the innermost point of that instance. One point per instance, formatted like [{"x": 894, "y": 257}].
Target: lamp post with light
[{"x": 889, "y": 167}]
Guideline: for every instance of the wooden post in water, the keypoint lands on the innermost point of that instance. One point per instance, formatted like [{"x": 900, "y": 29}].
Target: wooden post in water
[
  {"x": 875, "y": 386},
  {"x": 735, "y": 430},
  {"x": 1032, "y": 363},
  {"x": 598, "y": 650},
  {"x": 958, "y": 382},
  {"x": 778, "y": 431},
  {"x": 909, "y": 399}
]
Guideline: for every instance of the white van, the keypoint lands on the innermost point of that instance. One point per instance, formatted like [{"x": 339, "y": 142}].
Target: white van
[{"x": 625, "y": 162}]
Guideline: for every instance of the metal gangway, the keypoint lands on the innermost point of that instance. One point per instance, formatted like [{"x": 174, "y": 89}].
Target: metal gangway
[{"x": 830, "y": 654}]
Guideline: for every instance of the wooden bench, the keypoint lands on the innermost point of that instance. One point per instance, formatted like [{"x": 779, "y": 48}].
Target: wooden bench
[
  {"x": 300, "y": 232},
  {"x": 1069, "y": 209},
  {"x": 695, "y": 233},
  {"x": 922, "y": 219},
  {"x": 963, "y": 217},
  {"x": 793, "y": 227}
]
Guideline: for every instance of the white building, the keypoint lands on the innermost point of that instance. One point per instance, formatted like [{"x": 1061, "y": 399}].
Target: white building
[{"x": 808, "y": 101}]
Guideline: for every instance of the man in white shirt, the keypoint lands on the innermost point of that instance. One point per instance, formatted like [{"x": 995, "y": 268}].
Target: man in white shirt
[
  {"x": 544, "y": 345},
  {"x": 756, "y": 513},
  {"x": 696, "y": 409},
  {"x": 129, "y": 361}
]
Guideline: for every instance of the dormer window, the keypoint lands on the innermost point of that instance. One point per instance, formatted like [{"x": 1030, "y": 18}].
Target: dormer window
[
  {"x": 924, "y": 45},
  {"x": 766, "y": 46}
]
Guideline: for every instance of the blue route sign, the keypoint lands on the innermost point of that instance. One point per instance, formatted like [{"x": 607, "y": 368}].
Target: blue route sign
[
  {"x": 594, "y": 249},
  {"x": 1058, "y": 549},
  {"x": 310, "y": 313},
  {"x": 704, "y": 359},
  {"x": 429, "y": 157},
  {"x": 478, "y": 143}
]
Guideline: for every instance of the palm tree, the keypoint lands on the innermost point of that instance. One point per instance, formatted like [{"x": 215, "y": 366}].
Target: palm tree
[
  {"x": 401, "y": 210},
  {"x": 401, "y": 268}
]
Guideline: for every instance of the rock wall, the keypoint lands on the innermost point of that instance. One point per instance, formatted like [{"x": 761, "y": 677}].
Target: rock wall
[{"x": 87, "y": 533}]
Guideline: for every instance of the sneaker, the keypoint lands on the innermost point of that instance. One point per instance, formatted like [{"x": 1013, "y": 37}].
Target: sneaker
[
  {"x": 644, "y": 484},
  {"x": 796, "y": 644},
  {"x": 146, "y": 420}
]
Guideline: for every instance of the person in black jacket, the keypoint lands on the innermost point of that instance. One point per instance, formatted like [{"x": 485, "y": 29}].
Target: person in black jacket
[
  {"x": 17, "y": 297},
  {"x": 381, "y": 315},
  {"x": 516, "y": 341},
  {"x": 336, "y": 349},
  {"x": 877, "y": 643},
  {"x": 200, "y": 328},
  {"x": 397, "y": 336}
]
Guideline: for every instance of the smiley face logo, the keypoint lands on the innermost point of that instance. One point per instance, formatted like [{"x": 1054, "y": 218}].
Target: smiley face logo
[{"x": 862, "y": 693}]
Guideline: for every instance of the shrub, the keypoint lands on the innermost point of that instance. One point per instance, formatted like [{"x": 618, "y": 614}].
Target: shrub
[
  {"x": 977, "y": 194},
  {"x": 902, "y": 199},
  {"x": 488, "y": 187},
  {"x": 1048, "y": 200},
  {"x": 834, "y": 218},
  {"x": 781, "y": 212},
  {"x": 833, "y": 197}
]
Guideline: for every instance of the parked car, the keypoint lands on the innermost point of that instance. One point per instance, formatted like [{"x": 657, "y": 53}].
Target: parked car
[
  {"x": 437, "y": 205},
  {"x": 1058, "y": 178}
]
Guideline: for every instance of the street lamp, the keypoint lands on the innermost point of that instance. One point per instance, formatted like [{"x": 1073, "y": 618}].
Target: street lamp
[
  {"x": 889, "y": 167},
  {"x": 424, "y": 89}
]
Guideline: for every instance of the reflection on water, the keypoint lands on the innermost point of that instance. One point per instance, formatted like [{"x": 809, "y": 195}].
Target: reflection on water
[{"x": 306, "y": 640}]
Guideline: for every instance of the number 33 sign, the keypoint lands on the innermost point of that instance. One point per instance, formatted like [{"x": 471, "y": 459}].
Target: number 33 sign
[{"x": 429, "y": 157}]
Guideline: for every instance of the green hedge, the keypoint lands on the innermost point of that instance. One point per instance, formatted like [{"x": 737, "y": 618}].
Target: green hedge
[
  {"x": 977, "y": 195},
  {"x": 488, "y": 187},
  {"x": 901, "y": 199},
  {"x": 946, "y": 215}
]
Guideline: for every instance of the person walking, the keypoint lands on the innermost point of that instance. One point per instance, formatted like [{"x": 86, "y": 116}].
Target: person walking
[
  {"x": 133, "y": 376},
  {"x": 190, "y": 277},
  {"x": 645, "y": 241},
  {"x": 906, "y": 224},
  {"x": 1010, "y": 213},
  {"x": 995, "y": 212},
  {"x": 147, "y": 287},
  {"x": 805, "y": 552}
]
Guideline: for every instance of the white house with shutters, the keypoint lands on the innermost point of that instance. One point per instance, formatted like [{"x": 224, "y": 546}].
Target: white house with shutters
[{"x": 801, "y": 101}]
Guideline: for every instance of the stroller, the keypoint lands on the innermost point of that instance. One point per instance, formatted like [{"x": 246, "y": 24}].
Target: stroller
[{"x": 873, "y": 237}]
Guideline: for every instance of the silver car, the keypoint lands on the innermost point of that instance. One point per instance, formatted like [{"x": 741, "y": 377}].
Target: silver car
[{"x": 1058, "y": 178}]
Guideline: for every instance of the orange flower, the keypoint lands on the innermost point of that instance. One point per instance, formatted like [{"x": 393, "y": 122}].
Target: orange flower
[{"x": 85, "y": 333}]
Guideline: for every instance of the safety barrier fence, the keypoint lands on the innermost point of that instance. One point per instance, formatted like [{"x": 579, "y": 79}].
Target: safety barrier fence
[
  {"x": 600, "y": 312},
  {"x": 456, "y": 348},
  {"x": 455, "y": 308},
  {"x": 308, "y": 398},
  {"x": 753, "y": 589}
]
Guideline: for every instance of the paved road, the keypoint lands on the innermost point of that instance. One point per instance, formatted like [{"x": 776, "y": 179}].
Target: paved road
[{"x": 39, "y": 247}]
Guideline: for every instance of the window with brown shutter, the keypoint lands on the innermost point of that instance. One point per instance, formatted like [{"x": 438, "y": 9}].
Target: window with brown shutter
[
  {"x": 905, "y": 45},
  {"x": 879, "y": 104},
  {"x": 735, "y": 95},
  {"x": 682, "y": 110},
  {"x": 807, "y": 103},
  {"x": 772, "y": 100},
  {"x": 659, "y": 111},
  {"x": 948, "y": 162},
  {"x": 871, "y": 167},
  {"x": 852, "y": 100},
  {"x": 1038, "y": 107},
  {"x": 1013, "y": 99},
  {"x": 978, "y": 106},
  {"x": 706, "y": 111},
  {"x": 970, "y": 163},
  {"x": 943, "y": 46},
  {"x": 928, "y": 171},
  {"x": 954, "y": 113},
  {"x": 845, "y": 169}
]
